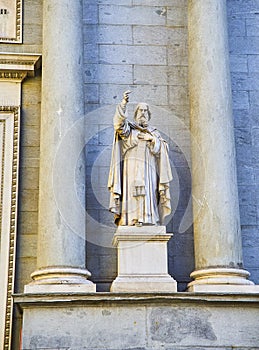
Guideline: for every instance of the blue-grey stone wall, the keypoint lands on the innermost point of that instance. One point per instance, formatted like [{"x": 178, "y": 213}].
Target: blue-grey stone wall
[{"x": 243, "y": 19}]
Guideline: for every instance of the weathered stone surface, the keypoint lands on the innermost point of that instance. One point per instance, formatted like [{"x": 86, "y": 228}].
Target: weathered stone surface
[
  {"x": 244, "y": 45},
  {"x": 244, "y": 81},
  {"x": 237, "y": 27},
  {"x": 252, "y": 26},
  {"x": 178, "y": 3},
  {"x": 156, "y": 94},
  {"x": 177, "y": 54},
  {"x": 176, "y": 325},
  {"x": 30, "y": 200},
  {"x": 108, "y": 34},
  {"x": 90, "y": 13},
  {"x": 28, "y": 222},
  {"x": 154, "y": 35},
  {"x": 28, "y": 246},
  {"x": 238, "y": 63},
  {"x": 176, "y": 16},
  {"x": 146, "y": 322},
  {"x": 108, "y": 74},
  {"x": 91, "y": 53},
  {"x": 122, "y": 54},
  {"x": 111, "y": 14},
  {"x": 253, "y": 63},
  {"x": 240, "y": 99},
  {"x": 128, "y": 329},
  {"x": 23, "y": 272},
  {"x": 29, "y": 179},
  {"x": 91, "y": 93}
]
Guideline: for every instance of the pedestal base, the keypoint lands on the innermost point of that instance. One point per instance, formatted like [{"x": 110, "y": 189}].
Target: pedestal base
[
  {"x": 60, "y": 280},
  {"x": 144, "y": 284},
  {"x": 222, "y": 280},
  {"x": 139, "y": 321},
  {"x": 142, "y": 260}
]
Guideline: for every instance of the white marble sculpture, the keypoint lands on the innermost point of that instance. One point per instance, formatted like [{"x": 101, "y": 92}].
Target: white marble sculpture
[{"x": 140, "y": 170}]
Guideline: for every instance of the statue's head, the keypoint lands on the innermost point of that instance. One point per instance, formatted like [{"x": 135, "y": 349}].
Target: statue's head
[{"x": 142, "y": 114}]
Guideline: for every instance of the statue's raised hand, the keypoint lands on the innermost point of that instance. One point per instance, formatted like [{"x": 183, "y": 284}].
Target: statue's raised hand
[{"x": 126, "y": 96}]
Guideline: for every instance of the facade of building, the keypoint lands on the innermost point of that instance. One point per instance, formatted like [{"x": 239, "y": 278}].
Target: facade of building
[{"x": 64, "y": 66}]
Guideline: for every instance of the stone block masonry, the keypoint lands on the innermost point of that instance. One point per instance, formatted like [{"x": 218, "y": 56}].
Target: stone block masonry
[
  {"x": 142, "y": 34},
  {"x": 143, "y": 321},
  {"x": 243, "y": 20}
]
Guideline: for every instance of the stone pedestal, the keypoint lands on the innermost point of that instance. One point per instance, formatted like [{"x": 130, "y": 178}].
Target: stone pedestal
[
  {"x": 142, "y": 260},
  {"x": 179, "y": 321}
]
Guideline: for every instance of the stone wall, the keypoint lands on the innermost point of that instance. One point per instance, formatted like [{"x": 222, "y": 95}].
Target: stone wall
[
  {"x": 140, "y": 322},
  {"x": 243, "y": 19}
]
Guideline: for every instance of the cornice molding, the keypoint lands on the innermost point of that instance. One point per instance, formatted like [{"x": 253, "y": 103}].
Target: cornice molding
[{"x": 17, "y": 65}]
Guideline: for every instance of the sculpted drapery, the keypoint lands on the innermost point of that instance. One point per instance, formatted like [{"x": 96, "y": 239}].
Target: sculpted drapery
[{"x": 140, "y": 170}]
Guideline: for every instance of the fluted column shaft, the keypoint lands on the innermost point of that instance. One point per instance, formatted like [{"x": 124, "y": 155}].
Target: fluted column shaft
[
  {"x": 217, "y": 235},
  {"x": 61, "y": 249}
]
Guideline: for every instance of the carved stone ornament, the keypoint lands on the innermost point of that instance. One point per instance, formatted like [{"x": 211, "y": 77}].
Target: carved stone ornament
[
  {"x": 9, "y": 148},
  {"x": 11, "y": 21},
  {"x": 18, "y": 66}
]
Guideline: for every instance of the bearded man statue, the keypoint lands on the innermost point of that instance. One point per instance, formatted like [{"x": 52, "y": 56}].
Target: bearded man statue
[{"x": 140, "y": 170}]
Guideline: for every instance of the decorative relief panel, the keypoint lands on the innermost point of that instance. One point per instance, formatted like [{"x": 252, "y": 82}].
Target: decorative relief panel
[
  {"x": 9, "y": 148},
  {"x": 11, "y": 21}
]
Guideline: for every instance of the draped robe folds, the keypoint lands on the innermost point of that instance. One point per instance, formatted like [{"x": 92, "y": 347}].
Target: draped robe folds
[{"x": 139, "y": 176}]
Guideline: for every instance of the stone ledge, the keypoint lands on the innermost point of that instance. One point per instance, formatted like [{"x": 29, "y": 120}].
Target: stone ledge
[
  {"x": 140, "y": 321},
  {"x": 26, "y": 301}
]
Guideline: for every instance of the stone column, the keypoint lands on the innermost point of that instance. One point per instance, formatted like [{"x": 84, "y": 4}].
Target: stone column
[
  {"x": 61, "y": 247},
  {"x": 217, "y": 234}
]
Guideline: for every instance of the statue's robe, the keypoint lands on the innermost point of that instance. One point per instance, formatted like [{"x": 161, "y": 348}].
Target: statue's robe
[{"x": 139, "y": 176}]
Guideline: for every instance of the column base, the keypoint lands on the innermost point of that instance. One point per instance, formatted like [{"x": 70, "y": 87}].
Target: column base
[
  {"x": 221, "y": 280},
  {"x": 142, "y": 260},
  {"x": 60, "y": 280}
]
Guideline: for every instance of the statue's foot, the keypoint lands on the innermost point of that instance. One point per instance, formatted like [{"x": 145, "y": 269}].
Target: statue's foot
[{"x": 138, "y": 224}]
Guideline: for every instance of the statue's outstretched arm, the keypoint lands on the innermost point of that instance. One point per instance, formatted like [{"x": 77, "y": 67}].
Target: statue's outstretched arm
[{"x": 120, "y": 118}]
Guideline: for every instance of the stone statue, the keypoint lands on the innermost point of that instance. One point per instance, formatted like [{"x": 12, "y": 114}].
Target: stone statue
[{"x": 140, "y": 170}]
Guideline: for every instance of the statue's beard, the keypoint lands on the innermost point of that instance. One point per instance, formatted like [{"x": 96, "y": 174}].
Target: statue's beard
[{"x": 143, "y": 123}]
